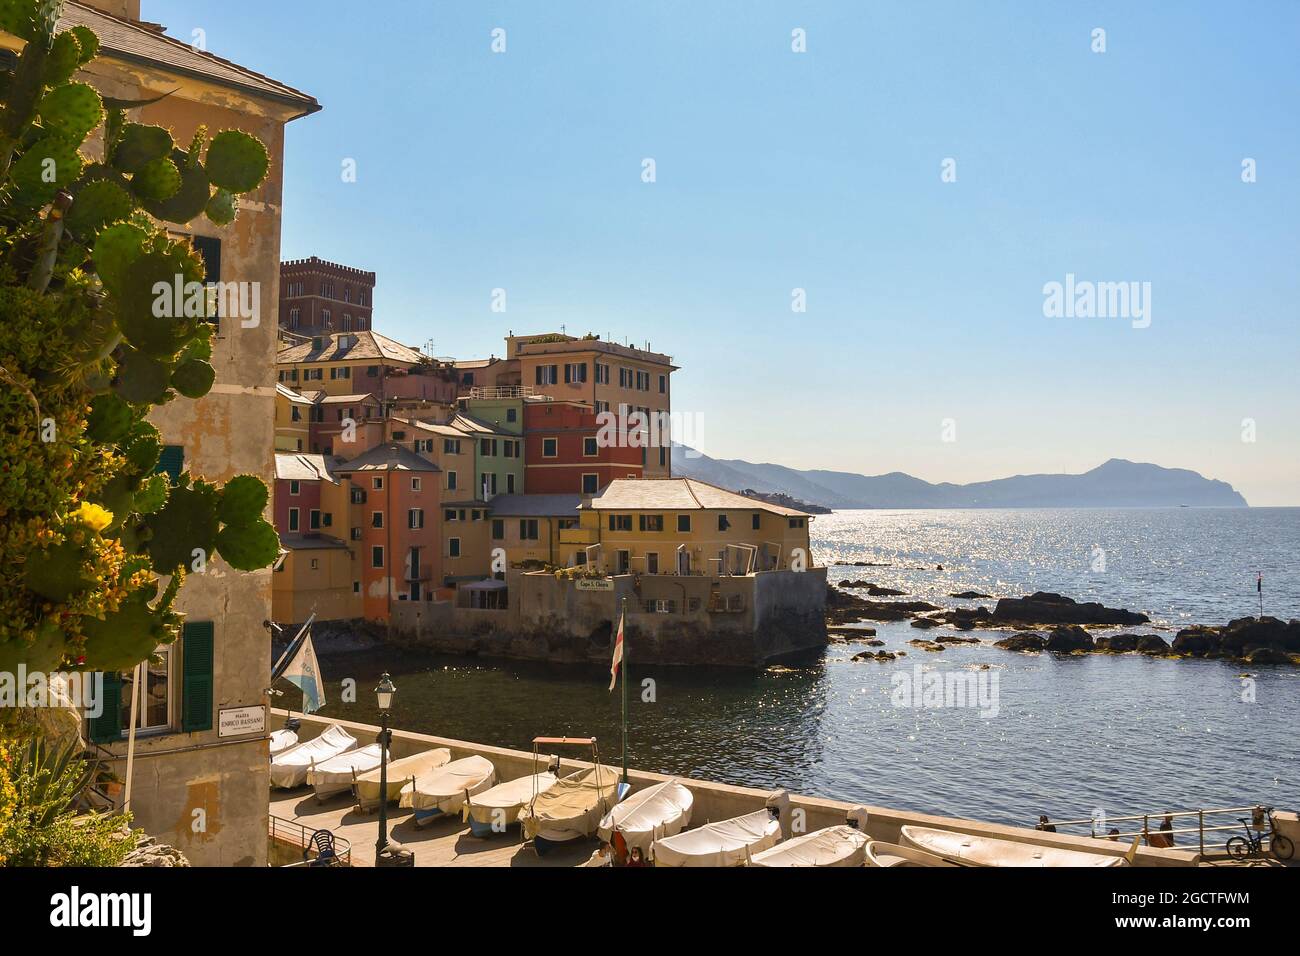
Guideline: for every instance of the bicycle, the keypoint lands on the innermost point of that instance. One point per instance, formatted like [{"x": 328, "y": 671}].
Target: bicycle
[{"x": 1279, "y": 846}]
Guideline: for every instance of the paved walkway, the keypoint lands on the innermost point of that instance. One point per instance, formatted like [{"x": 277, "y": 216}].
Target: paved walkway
[{"x": 443, "y": 843}]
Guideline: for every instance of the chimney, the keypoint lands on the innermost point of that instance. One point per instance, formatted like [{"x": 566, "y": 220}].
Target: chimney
[{"x": 126, "y": 9}]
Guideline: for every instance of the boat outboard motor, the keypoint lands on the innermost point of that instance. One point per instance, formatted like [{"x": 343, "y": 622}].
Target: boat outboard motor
[
  {"x": 778, "y": 805},
  {"x": 857, "y": 818}
]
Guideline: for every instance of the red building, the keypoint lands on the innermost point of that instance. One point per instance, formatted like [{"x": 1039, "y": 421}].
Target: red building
[
  {"x": 319, "y": 297},
  {"x": 564, "y": 453}
]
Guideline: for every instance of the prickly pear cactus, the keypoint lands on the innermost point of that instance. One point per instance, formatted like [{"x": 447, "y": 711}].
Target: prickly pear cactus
[{"x": 88, "y": 346}]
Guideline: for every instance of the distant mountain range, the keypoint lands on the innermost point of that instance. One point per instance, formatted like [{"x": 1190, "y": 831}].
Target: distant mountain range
[{"x": 1115, "y": 484}]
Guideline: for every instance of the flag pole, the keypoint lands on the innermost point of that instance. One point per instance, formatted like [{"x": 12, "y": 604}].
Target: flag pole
[{"x": 623, "y": 666}]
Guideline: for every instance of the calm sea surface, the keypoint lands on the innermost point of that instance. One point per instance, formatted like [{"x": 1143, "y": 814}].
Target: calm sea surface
[{"x": 1123, "y": 734}]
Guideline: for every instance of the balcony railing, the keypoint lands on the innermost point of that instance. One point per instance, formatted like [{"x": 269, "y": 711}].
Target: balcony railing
[{"x": 502, "y": 391}]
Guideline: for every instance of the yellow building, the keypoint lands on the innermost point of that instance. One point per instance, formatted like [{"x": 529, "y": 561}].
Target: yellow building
[
  {"x": 316, "y": 576},
  {"x": 685, "y": 526},
  {"x": 344, "y": 363},
  {"x": 535, "y": 529},
  {"x": 292, "y": 420}
]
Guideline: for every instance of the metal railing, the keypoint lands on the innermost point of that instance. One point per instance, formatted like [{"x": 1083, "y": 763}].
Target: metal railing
[
  {"x": 299, "y": 835},
  {"x": 502, "y": 391},
  {"x": 1200, "y": 828}
]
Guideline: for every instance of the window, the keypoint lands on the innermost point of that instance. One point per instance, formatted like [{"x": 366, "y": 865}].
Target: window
[
  {"x": 512, "y": 414},
  {"x": 377, "y": 556},
  {"x": 684, "y": 523},
  {"x": 315, "y": 564},
  {"x": 293, "y": 519},
  {"x": 527, "y": 529},
  {"x": 547, "y": 374},
  {"x": 294, "y": 487},
  {"x": 295, "y": 316},
  {"x": 620, "y": 522},
  {"x": 590, "y": 447},
  {"x": 624, "y": 377},
  {"x": 508, "y": 449},
  {"x": 796, "y": 522},
  {"x": 372, "y": 371},
  {"x": 652, "y": 522},
  {"x": 602, "y": 374},
  {"x": 356, "y": 587},
  {"x": 415, "y": 519},
  {"x": 510, "y": 484},
  {"x": 757, "y": 521},
  {"x": 295, "y": 414},
  {"x": 453, "y": 547},
  {"x": 663, "y": 384},
  {"x": 171, "y": 462},
  {"x": 723, "y": 523},
  {"x": 325, "y": 317},
  {"x": 376, "y": 519},
  {"x": 449, "y": 514},
  {"x": 356, "y": 534},
  {"x": 415, "y": 484},
  {"x": 451, "y": 481},
  {"x": 358, "y": 496},
  {"x": 590, "y": 484},
  {"x": 314, "y": 520},
  {"x": 451, "y": 446},
  {"x": 575, "y": 373},
  {"x": 347, "y": 322},
  {"x": 550, "y": 447},
  {"x": 651, "y": 562},
  {"x": 154, "y": 708},
  {"x": 377, "y": 484}
]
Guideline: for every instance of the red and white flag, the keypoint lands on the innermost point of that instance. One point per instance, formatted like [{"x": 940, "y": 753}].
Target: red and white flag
[{"x": 617, "y": 662}]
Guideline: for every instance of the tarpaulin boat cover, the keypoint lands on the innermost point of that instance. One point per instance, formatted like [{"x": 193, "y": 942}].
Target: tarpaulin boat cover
[
  {"x": 644, "y": 817},
  {"x": 835, "y": 846},
  {"x": 400, "y": 773},
  {"x": 725, "y": 843},
  {"x": 336, "y": 772},
  {"x": 289, "y": 767},
  {"x": 572, "y": 807},
  {"x": 971, "y": 850},
  {"x": 282, "y": 740},
  {"x": 445, "y": 788},
  {"x": 501, "y": 804}
]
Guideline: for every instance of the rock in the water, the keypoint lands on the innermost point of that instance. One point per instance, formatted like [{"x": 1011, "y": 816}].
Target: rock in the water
[
  {"x": 1069, "y": 638},
  {"x": 1152, "y": 644},
  {"x": 926, "y": 645},
  {"x": 1044, "y": 607},
  {"x": 925, "y": 622},
  {"x": 1027, "y": 641},
  {"x": 954, "y": 639},
  {"x": 881, "y": 656},
  {"x": 1198, "y": 641},
  {"x": 1268, "y": 655},
  {"x": 970, "y": 595},
  {"x": 1118, "y": 644}
]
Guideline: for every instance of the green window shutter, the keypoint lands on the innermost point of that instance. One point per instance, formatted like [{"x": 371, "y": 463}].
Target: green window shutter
[
  {"x": 172, "y": 461},
  {"x": 107, "y": 727},
  {"x": 196, "y": 676}
]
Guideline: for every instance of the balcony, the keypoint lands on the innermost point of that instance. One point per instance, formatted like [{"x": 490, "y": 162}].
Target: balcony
[
  {"x": 578, "y": 536},
  {"x": 502, "y": 391}
]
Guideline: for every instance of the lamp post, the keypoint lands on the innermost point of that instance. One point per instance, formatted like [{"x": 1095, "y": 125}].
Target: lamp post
[{"x": 384, "y": 694}]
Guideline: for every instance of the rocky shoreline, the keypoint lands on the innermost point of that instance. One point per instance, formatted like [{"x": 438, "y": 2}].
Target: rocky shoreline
[{"x": 1044, "y": 621}]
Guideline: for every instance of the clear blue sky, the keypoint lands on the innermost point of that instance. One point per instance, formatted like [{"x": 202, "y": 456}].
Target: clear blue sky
[{"x": 821, "y": 170}]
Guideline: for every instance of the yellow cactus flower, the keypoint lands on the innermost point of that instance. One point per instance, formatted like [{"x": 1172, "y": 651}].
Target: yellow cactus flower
[{"x": 93, "y": 516}]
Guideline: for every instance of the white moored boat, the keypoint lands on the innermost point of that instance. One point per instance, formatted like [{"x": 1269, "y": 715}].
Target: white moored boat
[
  {"x": 400, "y": 773},
  {"x": 725, "y": 843},
  {"x": 492, "y": 811},
  {"x": 969, "y": 850},
  {"x": 282, "y": 740},
  {"x": 649, "y": 815},
  {"x": 289, "y": 767},
  {"x": 335, "y": 775},
  {"x": 891, "y": 854},
  {"x": 444, "y": 789},
  {"x": 571, "y": 808},
  {"x": 843, "y": 845}
]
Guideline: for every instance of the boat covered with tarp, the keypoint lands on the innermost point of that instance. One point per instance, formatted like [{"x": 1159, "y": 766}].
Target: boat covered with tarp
[
  {"x": 842, "y": 845},
  {"x": 444, "y": 790},
  {"x": 289, "y": 768},
  {"x": 492, "y": 811},
  {"x": 648, "y": 815},
  {"x": 572, "y": 807},
  {"x": 335, "y": 775},
  {"x": 968, "y": 849},
  {"x": 400, "y": 772}
]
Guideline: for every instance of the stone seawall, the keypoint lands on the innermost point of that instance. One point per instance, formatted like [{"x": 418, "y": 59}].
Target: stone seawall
[{"x": 685, "y": 620}]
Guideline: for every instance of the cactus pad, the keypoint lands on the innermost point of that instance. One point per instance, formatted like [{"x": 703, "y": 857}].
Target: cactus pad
[
  {"x": 62, "y": 60},
  {"x": 57, "y": 572},
  {"x": 188, "y": 521},
  {"x": 193, "y": 378},
  {"x": 222, "y": 207},
  {"x": 141, "y": 145},
  {"x": 109, "y": 420},
  {"x": 126, "y": 636},
  {"x": 115, "y": 249},
  {"x": 158, "y": 180},
  {"x": 98, "y": 203},
  {"x": 140, "y": 378},
  {"x": 190, "y": 200},
  {"x": 49, "y": 165},
  {"x": 72, "y": 111},
  {"x": 243, "y": 499},
  {"x": 248, "y": 547},
  {"x": 236, "y": 161}
]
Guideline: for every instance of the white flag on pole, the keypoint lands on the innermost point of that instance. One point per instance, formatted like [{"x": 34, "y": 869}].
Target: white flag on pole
[
  {"x": 618, "y": 655},
  {"x": 304, "y": 673}
]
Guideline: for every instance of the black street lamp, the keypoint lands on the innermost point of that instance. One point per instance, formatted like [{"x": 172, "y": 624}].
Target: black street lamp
[{"x": 384, "y": 694}]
